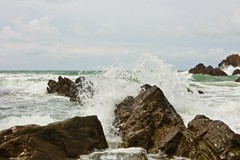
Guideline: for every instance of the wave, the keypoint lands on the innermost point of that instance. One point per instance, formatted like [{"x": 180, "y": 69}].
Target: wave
[
  {"x": 229, "y": 69},
  {"x": 112, "y": 85}
]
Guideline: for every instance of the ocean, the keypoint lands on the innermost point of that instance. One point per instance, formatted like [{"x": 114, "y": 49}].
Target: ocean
[{"x": 24, "y": 98}]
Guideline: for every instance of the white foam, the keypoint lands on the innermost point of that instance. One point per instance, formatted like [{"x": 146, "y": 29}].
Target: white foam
[
  {"x": 24, "y": 120},
  {"x": 120, "y": 81},
  {"x": 229, "y": 69}
]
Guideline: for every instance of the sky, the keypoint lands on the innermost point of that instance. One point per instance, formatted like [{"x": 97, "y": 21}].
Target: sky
[{"x": 91, "y": 34}]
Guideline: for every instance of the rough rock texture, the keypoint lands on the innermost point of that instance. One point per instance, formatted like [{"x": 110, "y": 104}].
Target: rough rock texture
[
  {"x": 62, "y": 87},
  {"x": 207, "y": 139},
  {"x": 237, "y": 71},
  {"x": 202, "y": 69},
  {"x": 149, "y": 121},
  {"x": 61, "y": 140},
  {"x": 77, "y": 91},
  {"x": 237, "y": 80},
  {"x": 231, "y": 60}
]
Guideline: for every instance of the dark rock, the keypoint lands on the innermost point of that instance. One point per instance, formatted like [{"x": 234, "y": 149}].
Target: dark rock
[
  {"x": 237, "y": 80},
  {"x": 200, "y": 92},
  {"x": 237, "y": 71},
  {"x": 190, "y": 91},
  {"x": 62, "y": 87},
  {"x": 61, "y": 140},
  {"x": 77, "y": 91},
  {"x": 202, "y": 69},
  {"x": 149, "y": 121},
  {"x": 208, "y": 139},
  {"x": 231, "y": 60}
]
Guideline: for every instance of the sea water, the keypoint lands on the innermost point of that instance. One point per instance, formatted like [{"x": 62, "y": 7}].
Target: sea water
[{"x": 24, "y": 99}]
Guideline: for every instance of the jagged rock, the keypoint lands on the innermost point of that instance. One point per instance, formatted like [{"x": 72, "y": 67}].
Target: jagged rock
[
  {"x": 149, "y": 121},
  {"x": 62, "y": 87},
  {"x": 61, "y": 140},
  {"x": 237, "y": 80},
  {"x": 237, "y": 71},
  {"x": 231, "y": 60},
  {"x": 77, "y": 91},
  {"x": 202, "y": 69},
  {"x": 208, "y": 139}
]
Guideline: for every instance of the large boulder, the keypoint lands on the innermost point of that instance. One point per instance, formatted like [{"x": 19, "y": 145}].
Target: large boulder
[
  {"x": 208, "y": 139},
  {"x": 77, "y": 91},
  {"x": 202, "y": 69},
  {"x": 149, "y": 121},
  {"x": 231, "y": 60},
  {"x": 61, "y": 140}
]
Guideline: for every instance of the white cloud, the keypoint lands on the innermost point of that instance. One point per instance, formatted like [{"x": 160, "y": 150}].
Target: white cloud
[
  {"x": 178, "y": 31},
  {"x": 33, "y": 30}
]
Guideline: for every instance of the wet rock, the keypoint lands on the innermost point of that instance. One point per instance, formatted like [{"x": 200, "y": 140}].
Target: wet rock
[
  {"x": 231, "y": 60},
  {"x": 149, "y": 121},
  {"x": 237, "y": 71},
  {"x": 200, "y": 92},
  {"x": 202, "y": 69},
  {"x": 77, "y": 91},
  {"x": 208, "y": 139},
  {"x": 121, "y": 153},
  {"x": 61, "y": 87},
  {"x": 237, "y": 80},
  {"x": 61, "y": 140}
]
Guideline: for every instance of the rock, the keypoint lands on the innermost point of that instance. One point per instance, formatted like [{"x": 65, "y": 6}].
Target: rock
[
  {"x": 61, "y": 140},
  {"x": 237, "y": 80},
  {"x": 120, "y": 153},
  {"x": 62, "y": 87},
  {"x": 77, "y": 91},
  {"x": 149, "y": 121},
  {"x": 202, "y": 69},
  {"x": 200, "y": 92},
  {"x": 208, "y": 139},
  {"x": 237, "y": 71},
  {"x": 231, "y": 60}
]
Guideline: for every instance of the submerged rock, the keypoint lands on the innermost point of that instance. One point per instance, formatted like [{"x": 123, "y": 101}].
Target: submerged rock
[
  {"x": 231, "y": 60},
  {"x": 77, "y": 91},
  {"x": 120, "y": 153},
  {"x": 61, "y": 140},
  {"x": 202, "y": 69},
  {"x": 150, "y": 121}
]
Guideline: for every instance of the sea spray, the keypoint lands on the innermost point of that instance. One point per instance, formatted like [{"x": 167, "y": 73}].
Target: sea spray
[
  {"x": 23, "y": 97},
  {"x": 117, "y": 82}
]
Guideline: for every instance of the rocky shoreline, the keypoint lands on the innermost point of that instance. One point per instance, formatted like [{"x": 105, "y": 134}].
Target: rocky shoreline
[
  {"x": 230, "y": 61},
  {"x": 148, "y": 121}
]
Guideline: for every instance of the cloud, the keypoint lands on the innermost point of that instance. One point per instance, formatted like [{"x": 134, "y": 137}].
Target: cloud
[
  {"x": 180, "y": 32},
  {"x": 33, "y": 30}
]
